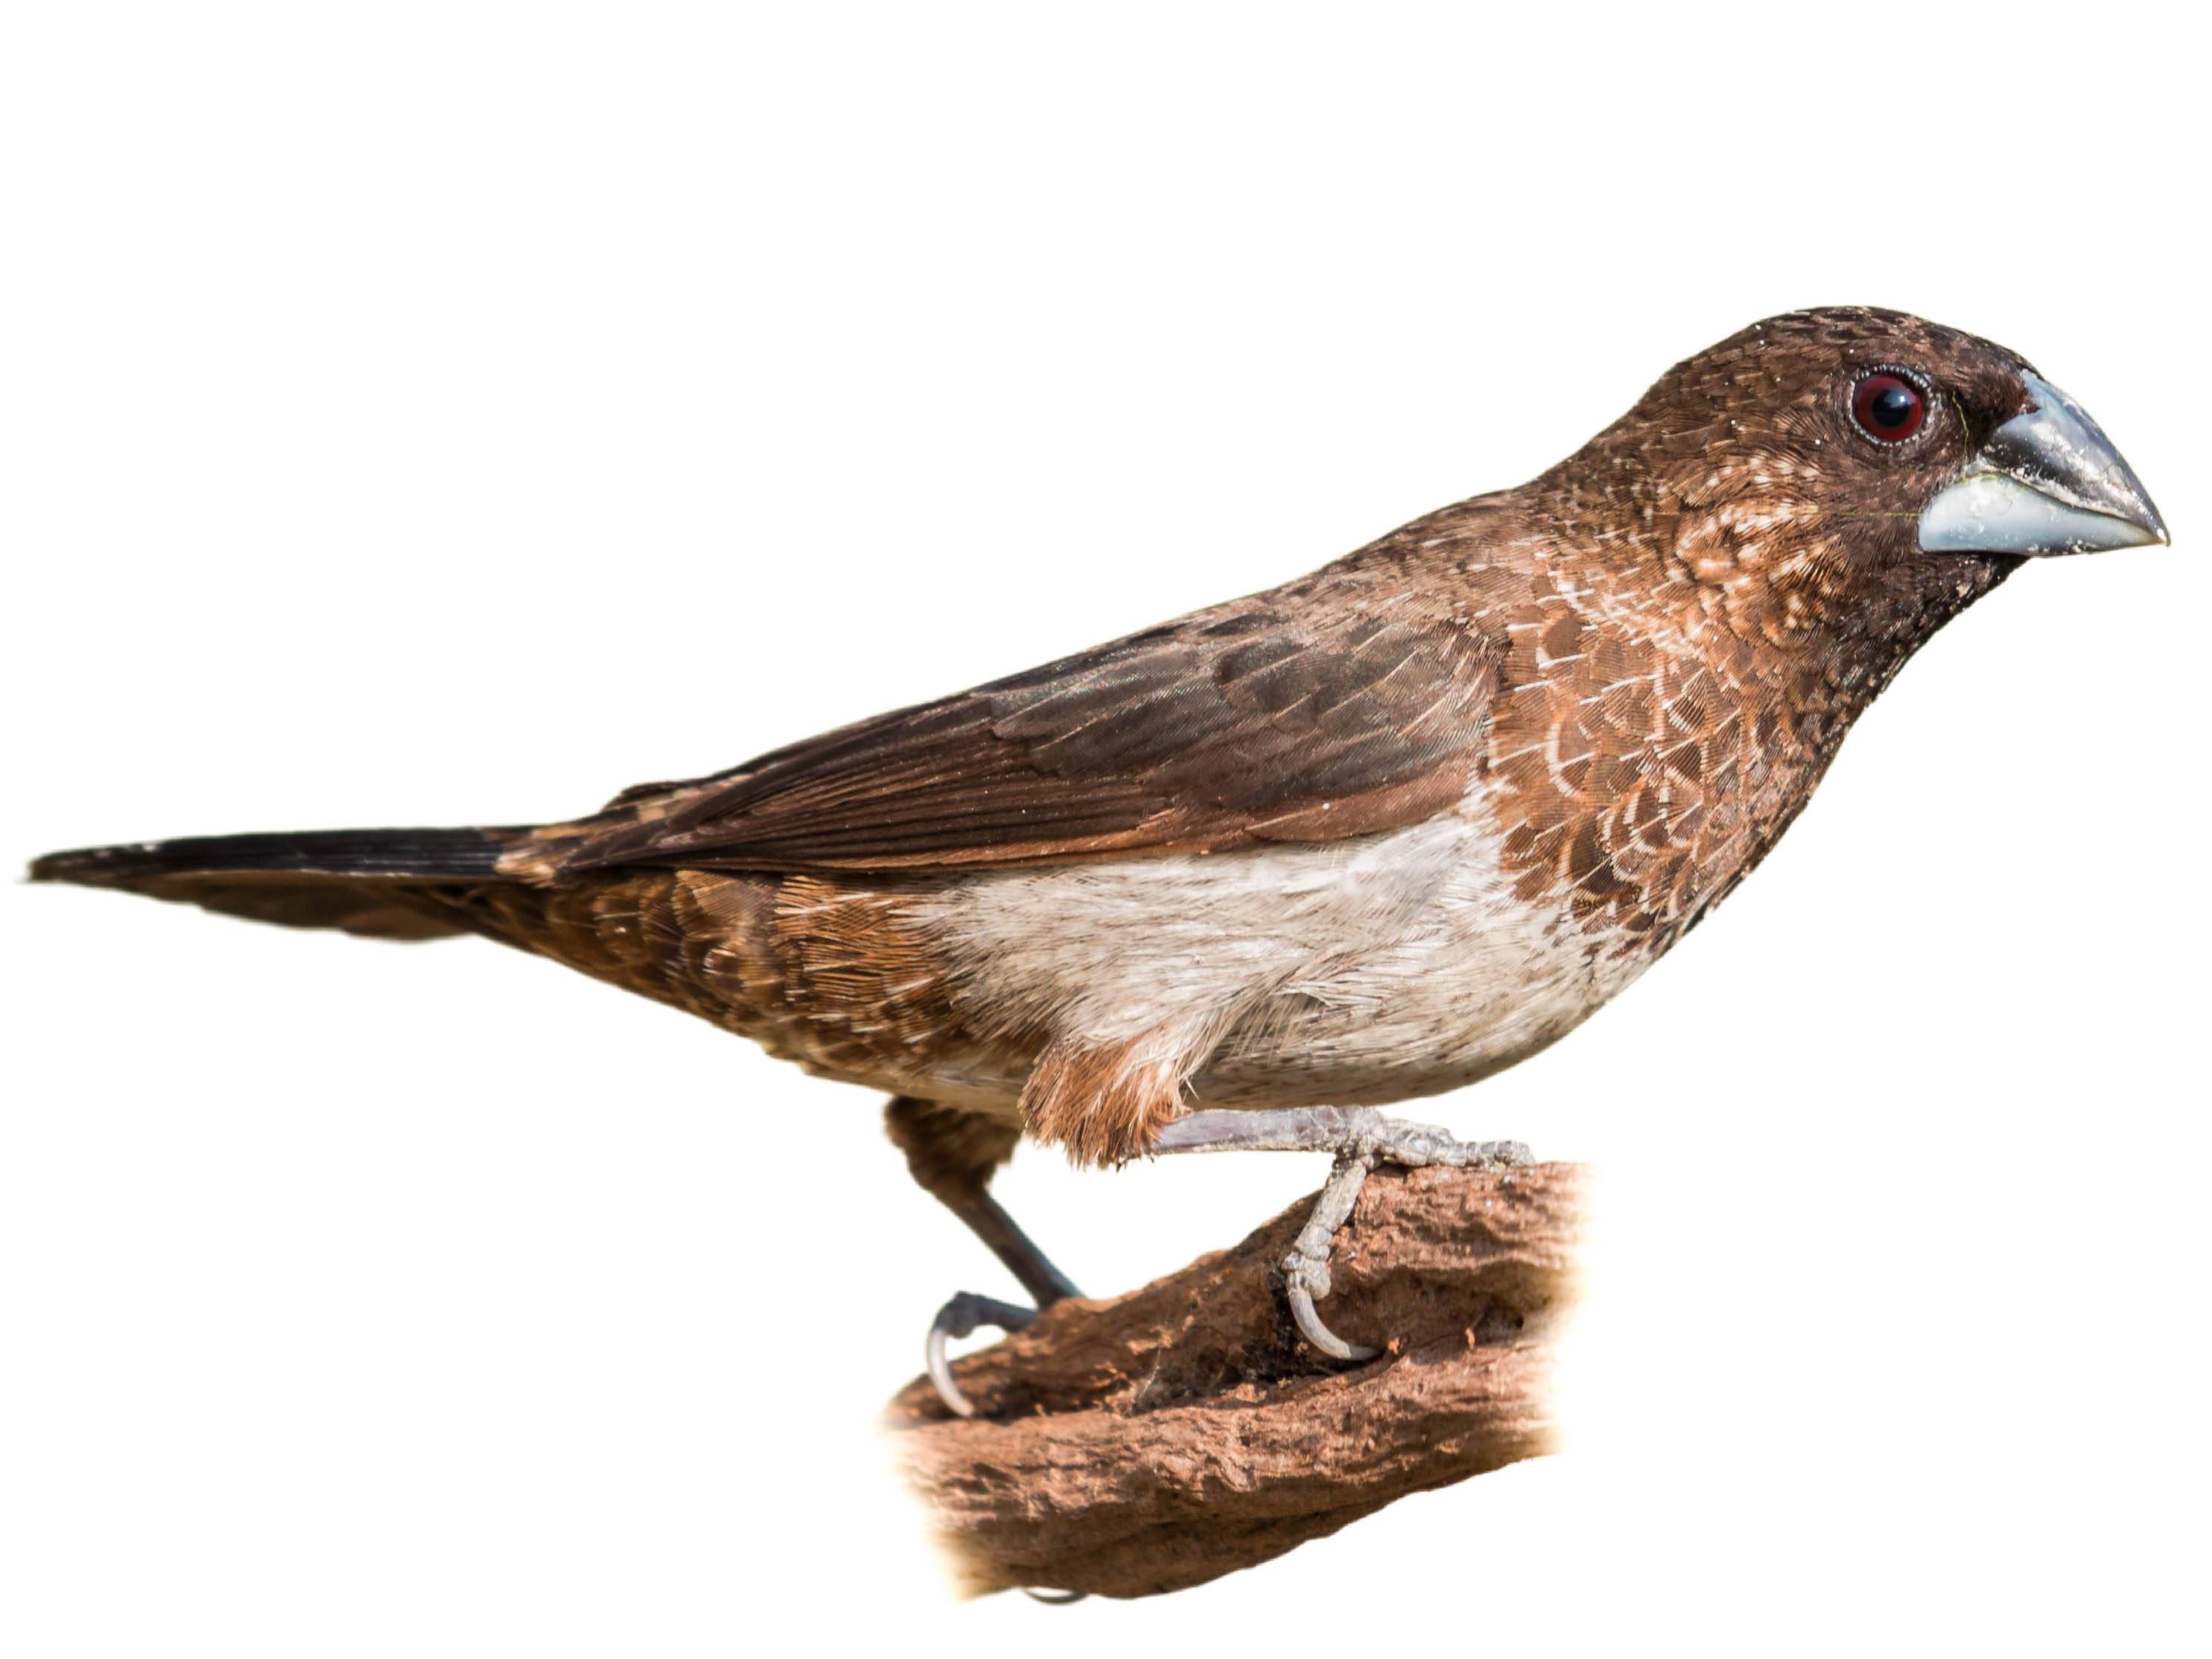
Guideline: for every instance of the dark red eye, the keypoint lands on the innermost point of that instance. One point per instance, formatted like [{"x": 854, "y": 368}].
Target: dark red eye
[{"x": 1889, "y": 408}]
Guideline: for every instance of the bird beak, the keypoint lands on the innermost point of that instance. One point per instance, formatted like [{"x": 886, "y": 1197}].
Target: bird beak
[{"x": 2047, "y": 481}]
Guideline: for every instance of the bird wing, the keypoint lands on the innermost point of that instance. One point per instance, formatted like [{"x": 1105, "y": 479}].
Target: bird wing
[{"x": 1261, "y": 720}]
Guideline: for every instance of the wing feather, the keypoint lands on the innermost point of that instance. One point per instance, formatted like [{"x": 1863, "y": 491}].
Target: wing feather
[{"x": 1264, "y": 720}]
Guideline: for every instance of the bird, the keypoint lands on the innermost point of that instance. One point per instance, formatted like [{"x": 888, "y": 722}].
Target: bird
[{"x": 1245, "y": 879}]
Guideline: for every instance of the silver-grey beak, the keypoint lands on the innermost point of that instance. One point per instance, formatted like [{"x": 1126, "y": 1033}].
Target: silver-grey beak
[{"x": 2047, "y": 481}]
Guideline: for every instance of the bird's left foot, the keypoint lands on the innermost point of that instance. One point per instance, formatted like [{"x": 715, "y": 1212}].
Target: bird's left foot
[
  {"x": 963, "y": 1316},
  {"x": 1361, "y": 1138}
]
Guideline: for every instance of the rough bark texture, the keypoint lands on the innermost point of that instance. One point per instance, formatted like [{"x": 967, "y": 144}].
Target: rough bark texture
[{"x": 1183, "y": 1431}]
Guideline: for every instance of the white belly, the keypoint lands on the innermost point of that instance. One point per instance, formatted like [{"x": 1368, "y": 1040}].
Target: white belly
[{"x": 1357, "y": 973}]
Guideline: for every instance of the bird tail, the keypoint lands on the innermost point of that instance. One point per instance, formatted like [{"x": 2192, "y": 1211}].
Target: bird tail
[{"x": 385, "y": 884}]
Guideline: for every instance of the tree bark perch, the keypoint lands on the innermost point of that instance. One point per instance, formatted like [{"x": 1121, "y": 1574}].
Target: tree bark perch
[{"x": 1169, "y": 1436}]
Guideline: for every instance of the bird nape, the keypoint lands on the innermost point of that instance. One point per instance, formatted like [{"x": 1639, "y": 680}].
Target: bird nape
[{"x": 1368, "y": 836}]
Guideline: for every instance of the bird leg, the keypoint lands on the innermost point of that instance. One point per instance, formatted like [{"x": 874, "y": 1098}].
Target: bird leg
[
  {"x": 1361, "y": 1138},
  {"x": 966, "y": 1312},
  {"x": 951, "y": 1154}
]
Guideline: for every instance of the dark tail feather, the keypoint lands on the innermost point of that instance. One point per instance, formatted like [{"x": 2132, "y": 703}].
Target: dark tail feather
[
  {"x": 377, "y": 882},
  {"x": 432, "y": 854}
]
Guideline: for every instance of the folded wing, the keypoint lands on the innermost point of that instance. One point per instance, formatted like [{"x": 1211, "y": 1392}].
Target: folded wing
[{"x": 1257, "y": 722}]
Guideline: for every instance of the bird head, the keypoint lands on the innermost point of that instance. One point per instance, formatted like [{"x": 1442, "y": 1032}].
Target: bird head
[{"x": 1851, "y": 470}]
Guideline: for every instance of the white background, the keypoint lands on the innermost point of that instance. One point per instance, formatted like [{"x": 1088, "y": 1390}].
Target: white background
[{"x": 452, "y": 413}]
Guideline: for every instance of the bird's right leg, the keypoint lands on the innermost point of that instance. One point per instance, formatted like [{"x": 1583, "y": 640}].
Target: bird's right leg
[
  {"x": 951, "y": 1154},
  {"x": 1361, "y": 1138}
]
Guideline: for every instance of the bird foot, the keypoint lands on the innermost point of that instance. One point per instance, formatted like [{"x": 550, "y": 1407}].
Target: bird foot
[
  {"x": 1361, "y": 1138},
  {"x": 963, "y": 1316}
]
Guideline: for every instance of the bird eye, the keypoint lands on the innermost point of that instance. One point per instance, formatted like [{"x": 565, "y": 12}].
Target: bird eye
[{"x": 1889, "y": 408}]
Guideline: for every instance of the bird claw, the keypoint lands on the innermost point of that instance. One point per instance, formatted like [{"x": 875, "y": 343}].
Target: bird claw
[
  {"x": 1305, "y": 1278},
  {"x": 1305, "y": 1269},
  {"x": 963, "y": 1316},
  {"x": 1361, "y": 1138}
]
